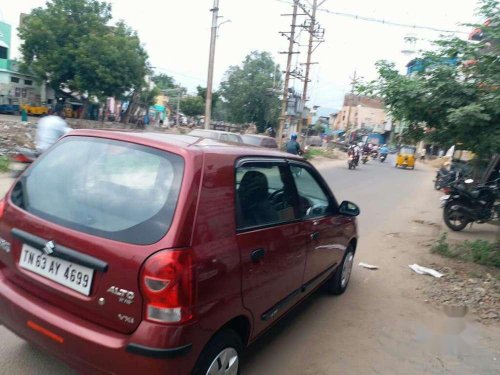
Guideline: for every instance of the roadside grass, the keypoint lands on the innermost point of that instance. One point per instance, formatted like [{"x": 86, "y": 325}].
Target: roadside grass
[
  {"x": 4, "y": 164},
  {"x": 477, "y": 251},
  {"x": 313, "y": 152}
]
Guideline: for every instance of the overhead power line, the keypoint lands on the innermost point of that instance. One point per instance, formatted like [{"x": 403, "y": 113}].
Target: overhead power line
[
  {"x": 391, "y": 23},
  {"x": 382, "y": 21}
]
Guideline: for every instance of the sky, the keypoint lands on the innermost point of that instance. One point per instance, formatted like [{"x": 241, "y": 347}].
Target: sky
[{"x": 176, "y": 35}]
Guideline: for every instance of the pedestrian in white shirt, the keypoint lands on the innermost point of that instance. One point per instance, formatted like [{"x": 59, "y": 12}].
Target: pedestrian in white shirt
[{"x": 49, "y": 130}]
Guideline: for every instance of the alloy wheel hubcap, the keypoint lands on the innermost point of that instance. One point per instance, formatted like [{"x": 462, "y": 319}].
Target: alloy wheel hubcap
[
  {"x": 226, "y": 363},
  {"x": 346, "y": 269}
]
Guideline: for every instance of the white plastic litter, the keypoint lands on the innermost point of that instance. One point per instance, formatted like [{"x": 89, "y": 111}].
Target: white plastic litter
[
  {"x": 425, "y": 271},
  {"x": 369, "y": 266}
]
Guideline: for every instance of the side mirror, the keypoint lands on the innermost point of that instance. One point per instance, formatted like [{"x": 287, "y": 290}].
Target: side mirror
[{"x": 349, "y": 209}]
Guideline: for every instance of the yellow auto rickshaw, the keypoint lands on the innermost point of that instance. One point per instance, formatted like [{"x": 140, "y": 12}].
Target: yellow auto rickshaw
[{"x": 406, "y": 157}]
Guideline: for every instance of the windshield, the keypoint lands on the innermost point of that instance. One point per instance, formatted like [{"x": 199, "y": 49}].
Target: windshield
[
  {"x": 407, "y": 150},
  {"x": 111, "y": 189},
  {"x": 254, "y": 141}
]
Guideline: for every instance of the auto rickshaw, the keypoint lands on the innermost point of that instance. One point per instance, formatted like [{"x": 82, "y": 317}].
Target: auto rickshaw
[{"x": 406, "y": 157}]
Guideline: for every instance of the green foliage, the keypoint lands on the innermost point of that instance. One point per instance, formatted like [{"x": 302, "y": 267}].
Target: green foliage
[
  {"x": 163, "y": 81},
  {"x": 450, "y": 103},
  {"x": 481, "y": 252},
  {"x": 70, "y": 45},
  {"x": 441, "y": 247},
  {"x": 477, "y": 251},
  {"x": 193, "y": 105},
  {"x": 248, "y": 91},
  {"x": 4, "y": 163},
  {"x": 202, "y": 92},
  {"x": 147, "y": 98}
]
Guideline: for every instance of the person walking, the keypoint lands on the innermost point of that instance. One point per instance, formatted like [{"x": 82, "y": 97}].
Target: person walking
[{"x": 49, "y": 130}]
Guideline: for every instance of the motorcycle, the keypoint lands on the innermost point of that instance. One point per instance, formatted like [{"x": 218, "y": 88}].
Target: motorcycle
[
  {"x": 383, "y": 157},
  {"x": 21, "y": 160},
  {"x": 364, "y": 159},
  {"x": 468, "y": 204},
  {"x": 374, "y": 154},
  {"x": 351, "y": 162}
]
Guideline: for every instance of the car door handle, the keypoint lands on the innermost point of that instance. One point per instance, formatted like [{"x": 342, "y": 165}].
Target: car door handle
[
  {"x": 315, "y": 236},
  {"x": 257, "y": 255}
]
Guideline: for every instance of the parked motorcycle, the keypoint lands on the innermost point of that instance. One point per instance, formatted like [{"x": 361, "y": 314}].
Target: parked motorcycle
[
  {"x": 21, "y": 160},
  {"x": 467, "y": 204}
]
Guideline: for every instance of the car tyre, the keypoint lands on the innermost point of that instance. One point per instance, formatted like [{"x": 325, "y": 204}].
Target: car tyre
[
  {"x": 221, "y": 355},
  {"x": 340, "y": 280}
]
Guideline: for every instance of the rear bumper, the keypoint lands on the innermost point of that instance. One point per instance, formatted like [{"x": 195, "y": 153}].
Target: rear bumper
[{"x": 91, "y": 348}]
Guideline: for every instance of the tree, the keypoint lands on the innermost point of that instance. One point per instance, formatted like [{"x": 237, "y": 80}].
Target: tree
[
  {"x": 248, "y": 91},
  {"x": 193, "y": 105},
  {"x": 456, "y": 98},
  {"x": 164, "y": 81},
  {"x": 70, "y": 45},
  {"x": 202, "y": 92}
]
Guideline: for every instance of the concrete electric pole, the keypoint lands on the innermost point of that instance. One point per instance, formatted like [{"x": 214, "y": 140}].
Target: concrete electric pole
[
  {"x": 290, "y": 52},
  {"x": 316, "y": 34},
  {"x": 213, "y": 37}
]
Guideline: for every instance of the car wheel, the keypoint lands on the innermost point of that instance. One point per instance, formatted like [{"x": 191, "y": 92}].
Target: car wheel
[
  {"x": 221, "y": 355},
  {"x": 454, "y": 220},
  {"x": 340, "y": 279}
]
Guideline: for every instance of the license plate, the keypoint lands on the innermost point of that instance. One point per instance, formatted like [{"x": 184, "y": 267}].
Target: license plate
[{"x": 71, "y": 275}]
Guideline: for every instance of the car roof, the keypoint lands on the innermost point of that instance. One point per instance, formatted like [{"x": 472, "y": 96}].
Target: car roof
[
  {"x": 213, "y": 131},
  {"x": 187, "y": 143},
  {"x": 256, "y": 136}
]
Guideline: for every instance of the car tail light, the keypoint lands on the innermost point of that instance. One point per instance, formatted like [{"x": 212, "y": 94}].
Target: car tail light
[
  {"x": 20, "y": 158},
  {"x": 167, "y": 286},
  {"x": 2, "y": 207}
]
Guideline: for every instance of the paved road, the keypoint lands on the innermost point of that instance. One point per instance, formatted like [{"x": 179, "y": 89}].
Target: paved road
[{"x": 381, "y": 324}]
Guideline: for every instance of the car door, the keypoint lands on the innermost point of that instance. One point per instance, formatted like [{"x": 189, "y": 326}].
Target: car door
[
  {"x": 326, "y": 229},
  {"x": 270, "y": 237}
]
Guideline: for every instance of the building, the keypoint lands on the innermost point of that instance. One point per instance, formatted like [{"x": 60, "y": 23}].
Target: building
[
  {"x": 361, "y": 112},
  {"x": 16, "y": 87}
]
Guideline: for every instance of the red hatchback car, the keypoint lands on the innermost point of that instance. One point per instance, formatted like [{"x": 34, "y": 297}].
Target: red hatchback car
[{"x": 125, "y": 252}]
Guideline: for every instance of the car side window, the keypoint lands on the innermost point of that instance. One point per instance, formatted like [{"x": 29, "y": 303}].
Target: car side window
[
  {"x": 223, "y": 137},
  {"x": 234, "y": 138},
  {"x": 313, "y": 201},
  {"x": 264, "y": 195}
]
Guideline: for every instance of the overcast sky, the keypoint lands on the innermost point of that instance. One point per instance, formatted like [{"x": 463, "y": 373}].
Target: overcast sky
[{"x": 176, "y": 35}]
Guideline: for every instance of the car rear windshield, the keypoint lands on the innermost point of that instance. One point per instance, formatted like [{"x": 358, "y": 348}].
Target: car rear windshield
[
  {"x": 112, "y": 189},
  {"x": 249, "y": 140}
]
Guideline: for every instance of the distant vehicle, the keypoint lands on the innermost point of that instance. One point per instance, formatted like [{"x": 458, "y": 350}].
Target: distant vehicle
[
  {"x": 218, "y": 135},
  {"x": 314, "y": 140},
  {"x": 12, "y": 109},
  {"x": 33, "y": 110},
  {"x": 259, "y": 140}
]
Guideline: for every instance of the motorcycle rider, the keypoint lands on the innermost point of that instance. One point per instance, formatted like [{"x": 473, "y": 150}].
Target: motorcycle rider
[
  {"x": 354, "y": 151},
  {"x": 384, "y": 150},
  {"x": 292, "y": 146}
]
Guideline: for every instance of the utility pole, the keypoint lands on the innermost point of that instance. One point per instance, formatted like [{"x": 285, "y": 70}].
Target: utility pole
[
  {"x": 290, "y": 52},
  {"x": 213, "y": 36},
  {"x": 179, "y": 91},
  {"x": 316, "y": 35},
  {"x": 348, "y": 125}
]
